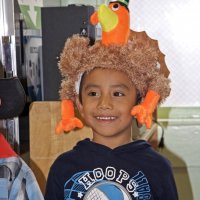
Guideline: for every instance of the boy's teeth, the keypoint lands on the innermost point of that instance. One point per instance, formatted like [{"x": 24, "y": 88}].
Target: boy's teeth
[{"x": 106, "y": 118}]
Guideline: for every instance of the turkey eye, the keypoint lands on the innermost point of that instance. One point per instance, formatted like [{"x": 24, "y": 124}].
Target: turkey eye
[{"x": 115, "y": 7}]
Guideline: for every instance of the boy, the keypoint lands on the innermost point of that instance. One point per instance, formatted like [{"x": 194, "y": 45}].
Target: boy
[
  {"x": 111, "y": 166},
  {"x": 108, "y": 82}
]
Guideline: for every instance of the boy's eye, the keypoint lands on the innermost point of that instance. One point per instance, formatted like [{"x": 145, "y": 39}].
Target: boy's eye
[
  {"x": 118, "y": 94},
  {"x": 92, "y": 94}
]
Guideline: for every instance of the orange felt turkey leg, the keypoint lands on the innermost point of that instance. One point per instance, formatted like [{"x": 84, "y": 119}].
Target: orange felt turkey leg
[
  {"x": 143, "y": 112},
  {"x": 68, "y": 121}
]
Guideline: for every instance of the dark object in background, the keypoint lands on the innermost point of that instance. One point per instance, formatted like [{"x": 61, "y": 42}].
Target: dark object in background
[
  {"x": 59, "y": 23},
  {"x": 12, "y": 98}
]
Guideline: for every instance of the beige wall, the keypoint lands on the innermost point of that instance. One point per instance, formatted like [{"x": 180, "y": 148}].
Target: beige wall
[{"x": 182, "y": 147}]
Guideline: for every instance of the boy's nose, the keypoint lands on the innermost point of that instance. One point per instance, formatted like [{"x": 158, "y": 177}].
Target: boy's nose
[{"x": 105, "y": 102}]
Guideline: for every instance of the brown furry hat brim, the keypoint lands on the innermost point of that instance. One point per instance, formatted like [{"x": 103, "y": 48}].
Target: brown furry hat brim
[{"x": 137, "y": 59}]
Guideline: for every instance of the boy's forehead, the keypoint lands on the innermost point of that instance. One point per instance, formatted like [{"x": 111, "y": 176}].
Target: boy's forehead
[{"x": 108, "y": 75}]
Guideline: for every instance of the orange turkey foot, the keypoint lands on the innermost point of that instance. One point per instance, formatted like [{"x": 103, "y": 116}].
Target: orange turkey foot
[{"x": 67, "y": 125}]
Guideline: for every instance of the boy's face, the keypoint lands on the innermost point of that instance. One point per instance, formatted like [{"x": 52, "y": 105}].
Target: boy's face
[{"x": 107, "y": 98}]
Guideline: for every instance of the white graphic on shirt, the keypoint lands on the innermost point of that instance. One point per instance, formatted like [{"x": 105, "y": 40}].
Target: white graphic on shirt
[{"x": 107, "y": 184}]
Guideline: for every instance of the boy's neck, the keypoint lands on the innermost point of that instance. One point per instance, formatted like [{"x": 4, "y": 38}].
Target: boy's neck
[{"x": 112, "y": 142}]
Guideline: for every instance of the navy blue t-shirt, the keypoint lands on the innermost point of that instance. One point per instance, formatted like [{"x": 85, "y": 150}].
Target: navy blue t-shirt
[{"x": 93, "y": 171}]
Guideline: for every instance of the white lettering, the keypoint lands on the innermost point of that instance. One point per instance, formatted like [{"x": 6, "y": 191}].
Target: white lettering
[
  {"x": 98, "y": 174},
  {"x": 131, "y": 186},
  {"x": 86, "y": 180},
  {"x": 122, "y": 176},
  {"x": 110, "y": 173}
]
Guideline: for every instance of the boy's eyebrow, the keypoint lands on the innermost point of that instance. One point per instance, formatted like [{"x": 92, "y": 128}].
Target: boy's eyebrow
[
  {"x": 91, "y": 86},
  {"x": 120, "y": 86}
]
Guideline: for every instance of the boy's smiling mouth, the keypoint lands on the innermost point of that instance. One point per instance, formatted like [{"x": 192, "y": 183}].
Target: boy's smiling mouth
[{"x": 106, "y": 118}]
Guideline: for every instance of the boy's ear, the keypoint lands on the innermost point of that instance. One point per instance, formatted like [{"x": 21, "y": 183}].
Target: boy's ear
[{"x": 79, "y": 105}]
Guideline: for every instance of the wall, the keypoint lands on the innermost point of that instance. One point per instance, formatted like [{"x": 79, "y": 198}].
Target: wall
[{"x": 182, "y": 147}]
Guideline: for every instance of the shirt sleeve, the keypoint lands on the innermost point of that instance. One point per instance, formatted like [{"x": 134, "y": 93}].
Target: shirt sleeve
[
  {"x": 167, "y": 190},
  {"x": 171, "y": 190},
  {"x": 54, "y": 190}
]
